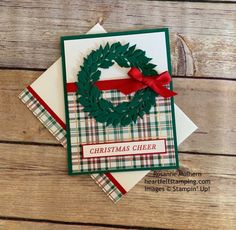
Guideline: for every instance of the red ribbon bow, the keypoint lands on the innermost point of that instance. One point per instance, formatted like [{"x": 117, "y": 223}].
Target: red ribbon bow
[
  {"x": 139, "y": 81},
  {"x": 156, "y": 82}
]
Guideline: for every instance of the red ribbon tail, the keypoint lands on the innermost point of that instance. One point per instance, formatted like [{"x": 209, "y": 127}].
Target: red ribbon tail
[
  {"x": 164, "y": 92},
  {"x": 164, "y": 78}
]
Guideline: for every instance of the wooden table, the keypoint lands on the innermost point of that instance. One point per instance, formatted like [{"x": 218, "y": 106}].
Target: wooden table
[{"x": 35, "y": 190}]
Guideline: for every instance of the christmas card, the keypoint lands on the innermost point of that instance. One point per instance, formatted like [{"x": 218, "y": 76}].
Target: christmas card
[
  {"x": 119, "y": 102},
  {"x": 44, "y": 97}
]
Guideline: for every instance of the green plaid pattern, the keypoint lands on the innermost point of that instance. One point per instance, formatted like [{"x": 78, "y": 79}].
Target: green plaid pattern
[
  {"x": 44, "y": 116},
  {"x": 55, "y": 128},
  {"x": 84, "y": 129},
  {"x": 107, "y": 186}
]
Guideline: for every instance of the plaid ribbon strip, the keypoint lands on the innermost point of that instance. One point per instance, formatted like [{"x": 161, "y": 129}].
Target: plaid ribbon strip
[
  {"x": 105, "y": 182},
  {"x": 84, "y": 129}
]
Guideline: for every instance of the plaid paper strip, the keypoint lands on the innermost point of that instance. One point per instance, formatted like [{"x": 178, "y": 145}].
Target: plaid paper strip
[
  {"x": 105, "y": 181},
  {"x": 84, "y": 129},
  {"x": 43, "y": 115}
]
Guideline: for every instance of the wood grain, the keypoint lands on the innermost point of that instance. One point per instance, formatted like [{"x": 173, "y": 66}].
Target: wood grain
[
  {"x": 27, "y": 225},
  {"x": 35, "y": 184},
  {"x": 210, "y": 104},
  {"x": 203, "y": 35},
  {"x": 35, "y": 190},
  {"x": 13, "y": 118}
]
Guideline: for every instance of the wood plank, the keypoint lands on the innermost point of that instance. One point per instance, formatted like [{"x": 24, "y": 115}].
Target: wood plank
[
  {"x": 220, "y": 1},
  {"x": 16, "y": 115},
  {"x": 38, "y": 174},
  {"x": 210, "y": 104},
  {"x": 203, "y": 35},
  {"x": 27, "y": 225}
]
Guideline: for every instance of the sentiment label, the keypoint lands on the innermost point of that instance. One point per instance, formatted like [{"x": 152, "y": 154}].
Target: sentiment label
[{"x": 125, "y": 148}]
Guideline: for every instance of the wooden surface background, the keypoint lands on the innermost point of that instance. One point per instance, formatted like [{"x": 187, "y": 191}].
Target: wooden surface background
[{"x": 35, "y": 190}]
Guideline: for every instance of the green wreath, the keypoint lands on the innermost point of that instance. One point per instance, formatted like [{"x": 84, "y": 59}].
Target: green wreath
[{"x": 91, "y": 97}]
